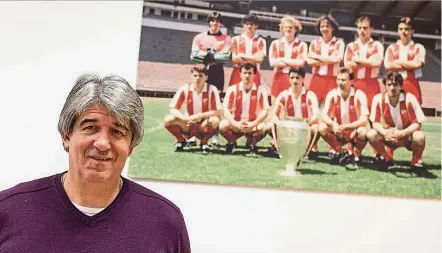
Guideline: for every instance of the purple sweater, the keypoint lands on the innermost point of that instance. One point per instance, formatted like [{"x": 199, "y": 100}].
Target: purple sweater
[{"x": 38, "y": 216}]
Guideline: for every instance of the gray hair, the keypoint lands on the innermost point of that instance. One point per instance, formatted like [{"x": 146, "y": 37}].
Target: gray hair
[{"x": 112, "y": 91}]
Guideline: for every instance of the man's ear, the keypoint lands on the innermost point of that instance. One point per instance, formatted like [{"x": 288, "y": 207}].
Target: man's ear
[
  {"x": 130, "y": 151},
  {"x": 66, "y": 139}
]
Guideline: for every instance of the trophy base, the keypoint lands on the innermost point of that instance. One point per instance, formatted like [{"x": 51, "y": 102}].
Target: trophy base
[{"x": 290, "y": 172}]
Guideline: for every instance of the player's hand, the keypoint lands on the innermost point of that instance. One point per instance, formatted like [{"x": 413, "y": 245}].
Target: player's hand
[
  {"x": 355, "y": 59},
  {"x": 398, "y": 134},
  {"x": 336, "y": 128},
  {"x": 390, "y": 135},
  {"x": 250, "y": 126}
]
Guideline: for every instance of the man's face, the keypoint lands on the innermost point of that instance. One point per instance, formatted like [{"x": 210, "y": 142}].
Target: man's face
[
  {"x": 343, "y": 81},
  {"x": 214, "y": 25},
  {"x": 364, "y": 30},
  {"x": 247, "y": 75},
  {"x": 98, "y": 145},
  {"x": 404, "y": 31},
  {"x": 288, "y": 29},
  {"x": 250, "y": 27},
  {"x": 326, "y": 28},
  {"x": 393, "y": 88},
  {"x": 295, "y": 79},
  {"x": 198, "y": 78}
]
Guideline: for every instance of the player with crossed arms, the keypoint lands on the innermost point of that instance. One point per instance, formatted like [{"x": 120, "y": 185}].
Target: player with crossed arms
[{"x": 203, "y": 107}]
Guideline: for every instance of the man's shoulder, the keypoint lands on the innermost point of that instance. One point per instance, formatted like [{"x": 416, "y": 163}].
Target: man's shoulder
[
  {"x": 28, "y": 187},
  {"x": 151, "y": 196}
]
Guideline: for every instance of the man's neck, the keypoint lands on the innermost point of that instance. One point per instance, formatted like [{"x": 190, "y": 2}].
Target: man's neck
[
  {"x": 247, "y": 86},
  {"x": 87, "y": 194},
  {"x": 394, "y": 100},
  {"x": 345, "y": 94},
  {"x": 296, "y": 90},
  {"x": 289, "y": 38},
  {"x": 250, "y": 35},
  {"x": 327, "y": 39},
  {"x": 198, "y": 87},
  {"x": 405, "y": 41},
  {"x": 364, "y": 41}
]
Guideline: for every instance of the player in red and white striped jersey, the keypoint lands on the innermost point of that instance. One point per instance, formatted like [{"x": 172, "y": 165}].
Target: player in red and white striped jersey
[
  {"x": 397, "y": 119},
  {"x": 345, "y": 116},
  {"x": 247, "y": 47},
  {"x": 245, "y": 108},
  {"x": 364, "y": 56},
  {"x": 203, "y": 108},
  {"x": 285, "y": 53},
  {"x": 296, "y": 102},
  {"x": 406, "y": 57},
  {"x": 325, "y": 55}
]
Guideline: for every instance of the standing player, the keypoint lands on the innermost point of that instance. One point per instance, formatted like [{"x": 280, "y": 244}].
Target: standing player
[
  {"x": 325, "y": 54},
  {"x": 402, "y": 117},
  {"x": 364, "y": 57},
  {"x": 213, "y": 49},
  {"x": 247, "y": 48},
  {"x": 245, "y": 108},
  {"x": 345, "y": 116},
  {"x": 285, "y": 53},
  {"x": 406, "y": 57},
  {"x": 296, "y": 102},
  {"x": 203, "y": 107}
]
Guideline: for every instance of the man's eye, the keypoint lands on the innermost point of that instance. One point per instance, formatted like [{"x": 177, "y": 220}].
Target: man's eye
[
  {"x": 89, "y": 128},
  {"x": 118, "y": 133}
]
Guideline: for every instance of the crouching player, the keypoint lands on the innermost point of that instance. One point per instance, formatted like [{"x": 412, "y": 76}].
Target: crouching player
[
  {"x": 298, "y": 103},
  {"x": 402, "y": 117},
  {"x": 203, "y": 107},
  {"x": 345, "y": 116},
  {"x": 245, "y": 108}
]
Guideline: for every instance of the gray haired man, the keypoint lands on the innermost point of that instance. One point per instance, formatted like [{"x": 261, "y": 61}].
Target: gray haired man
[{"x": 91, "y": 208}]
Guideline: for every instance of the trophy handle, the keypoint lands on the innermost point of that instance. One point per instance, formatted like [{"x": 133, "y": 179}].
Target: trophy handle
[{"x": 311, "y": 140}]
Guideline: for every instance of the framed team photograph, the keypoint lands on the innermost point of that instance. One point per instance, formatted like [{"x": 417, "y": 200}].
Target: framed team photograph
[{"x": 327, "y": 96}]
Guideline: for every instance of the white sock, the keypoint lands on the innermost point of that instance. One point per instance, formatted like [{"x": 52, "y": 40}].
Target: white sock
[{"x": 215, "y": 138}]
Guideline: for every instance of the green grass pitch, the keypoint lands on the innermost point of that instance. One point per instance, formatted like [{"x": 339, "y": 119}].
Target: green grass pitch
[{"x": 155, "y": 158}]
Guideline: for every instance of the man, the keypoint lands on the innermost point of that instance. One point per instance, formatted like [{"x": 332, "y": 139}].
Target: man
[
  {"x": 406, "y": 57},
  {"x": 298, "y": 103},
  {"x": 325, "y": 55},
  {"x": 364, "y": 57},
  {"x": 285, "y": 53},
  {"x": 247, "y": 48},
  {"x": 245, "y": 108},
  {"x": 213, "y": 49},
  {"x": 345, "y": 116},
  {"x": 402, "y": 118},
  {"x": 203, "y": 108},
  {"x": 90, "y": 207}
]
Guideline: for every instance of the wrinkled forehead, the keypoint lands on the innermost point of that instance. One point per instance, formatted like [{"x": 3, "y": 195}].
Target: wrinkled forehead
[{"x": 100, "y": 109}]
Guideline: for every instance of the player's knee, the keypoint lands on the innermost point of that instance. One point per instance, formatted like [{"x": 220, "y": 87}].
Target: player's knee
[
  {"x": 419, "y": 137},
  {"x": 169, "y": 119},
  {"x": 214, "y": 121},
  {"x": 372, "y": 135},
  {"x": 362, "y": 133},
  {"x": 323, "y": 128},
  {"x": 224, "y": 125},
  {"x": 314, "y": 128}
]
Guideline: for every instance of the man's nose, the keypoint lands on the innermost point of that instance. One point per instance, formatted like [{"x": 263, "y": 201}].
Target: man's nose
[{"x": 102, "y": 142}]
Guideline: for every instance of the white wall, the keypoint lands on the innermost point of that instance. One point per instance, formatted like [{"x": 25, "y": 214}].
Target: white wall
[{"x": 45, "y": 45}]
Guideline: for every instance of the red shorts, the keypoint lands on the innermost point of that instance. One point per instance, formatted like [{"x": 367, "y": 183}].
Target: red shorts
[
  {"x": 411, "y": 85},
  {"x": 402, "y": 142},
  {"x": 345, "y": 137},
  {"x": 369, "y": 86},
  {"x": 280, "y": 83},
  {"x": 236, "y": 77},
  {"x": 321, "y": 85}
]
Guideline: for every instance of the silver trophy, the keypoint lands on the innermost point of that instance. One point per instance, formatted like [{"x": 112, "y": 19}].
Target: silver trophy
[{"x": 292, "y": 138}]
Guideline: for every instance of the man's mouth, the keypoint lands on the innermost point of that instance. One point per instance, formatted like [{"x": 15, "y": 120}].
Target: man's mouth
[{"x": 102, "y": 159}]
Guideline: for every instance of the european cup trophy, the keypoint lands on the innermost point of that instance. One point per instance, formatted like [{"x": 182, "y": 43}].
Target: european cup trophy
[{"x": 292, "y": 138}]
